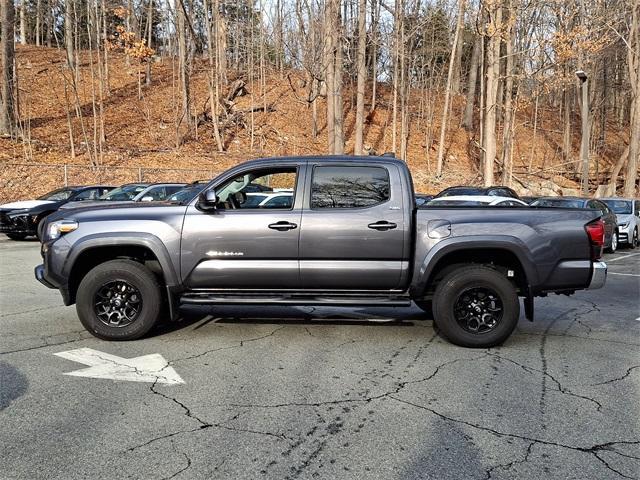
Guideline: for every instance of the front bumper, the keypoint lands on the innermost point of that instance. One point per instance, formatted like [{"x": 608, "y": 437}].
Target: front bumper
[
  {"x": 625, "y": 233},
  {"x": 598, "y": 276},
  {"x": 16, "y": 224},
  {"x": 39, "y": 273}
]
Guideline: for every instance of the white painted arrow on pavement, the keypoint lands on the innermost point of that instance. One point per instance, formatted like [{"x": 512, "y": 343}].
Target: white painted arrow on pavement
[{"x": 148, "y": 368}]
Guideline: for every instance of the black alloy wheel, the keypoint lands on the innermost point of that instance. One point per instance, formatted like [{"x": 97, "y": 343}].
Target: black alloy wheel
[
  {"x": 117, "y": 304},
  {"x": 478, "y": 310}
]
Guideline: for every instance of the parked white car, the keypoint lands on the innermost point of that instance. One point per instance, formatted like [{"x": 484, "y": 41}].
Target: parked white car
[
  {"x": 476, "y": 200},
  {"x": 276, "y": 199},
  {"x": 628, "y": 212}
]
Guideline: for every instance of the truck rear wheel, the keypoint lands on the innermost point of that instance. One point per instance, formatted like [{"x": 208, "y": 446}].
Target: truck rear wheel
[
  {"x": 476, "y": 306},
  {"x": 119, "y": 300}
]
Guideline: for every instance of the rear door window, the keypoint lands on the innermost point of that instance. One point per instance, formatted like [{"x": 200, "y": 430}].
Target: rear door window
[{"x": 349, "y": 187}]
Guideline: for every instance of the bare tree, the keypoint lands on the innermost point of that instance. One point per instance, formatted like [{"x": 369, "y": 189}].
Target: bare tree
[
  {"x": 494, "y": 27},
  {"x": 467, "y": 121},
  {"x": 333, "y": 60},
  {"x": 447, "y": 94},
  {"x": 633, "y": 60},
  {"x": 183, "y": 61},
  {"x": 509, "y": 110},
  {"x": 68, "y": 33},
  {"x": 362, "y": 74},
  {"x": 7, "y": 61}
]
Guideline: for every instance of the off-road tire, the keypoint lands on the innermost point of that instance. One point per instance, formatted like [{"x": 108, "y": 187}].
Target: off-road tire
[
  {"x": 454, "y": 286},
  {"x": 134, "y": 274}
]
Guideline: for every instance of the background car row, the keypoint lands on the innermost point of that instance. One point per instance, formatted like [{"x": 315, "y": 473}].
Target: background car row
[
  {"x": 621, "y": 216},
  {"x": 21, "y": 219}
]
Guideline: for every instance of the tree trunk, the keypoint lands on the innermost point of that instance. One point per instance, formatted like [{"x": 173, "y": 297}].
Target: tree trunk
[
  {"x": 329, "y": 47},
  {"x": 447, "y": 94},
  {"x": 375, "y": 13},
  {"x": 183, "y": 63},
  {"x": 7, "y": 62},
  {"x": 493, "y": 72},
  {"x": 149, "y": 33},
  {"x": 633, "y": 60},
  {"x": 362, "y": 74},
  {"x": 457, "y": 62},
  {"x": 221, "y": 43},
  {"x": 38, "y": 29},
  {"x": 467, "y": 122},
  {"x": 23, "y": 23},
  {"x": 613, "y": 180},
  {"x": 509, "y": 112},
  {"x": 337, "y": 110},
  {"x": 68, "y": 33},
  {"x": 213, "y": 83},
  {"x": 566, "y": 122}
]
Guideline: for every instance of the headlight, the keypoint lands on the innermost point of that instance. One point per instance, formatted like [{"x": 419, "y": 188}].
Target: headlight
[
  {"x": 56, "y": 229},
  {"x": 623, "y": 225},
  {"x": 18, "y": 213}
]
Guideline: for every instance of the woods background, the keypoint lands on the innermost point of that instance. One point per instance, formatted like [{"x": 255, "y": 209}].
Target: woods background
[{"x": 539, "y": 95}]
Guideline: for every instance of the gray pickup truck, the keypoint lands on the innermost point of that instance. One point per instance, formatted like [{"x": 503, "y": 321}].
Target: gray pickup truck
[{"x": 348, "y": 234}]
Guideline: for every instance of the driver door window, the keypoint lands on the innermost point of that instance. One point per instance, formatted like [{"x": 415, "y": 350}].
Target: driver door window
[{"x": 271, "y": 188}]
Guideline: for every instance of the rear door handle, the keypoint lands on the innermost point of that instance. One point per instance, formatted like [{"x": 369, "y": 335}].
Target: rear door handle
[
  {"x": 282, "y": 226},
  {"x": 382, "y": 225}
]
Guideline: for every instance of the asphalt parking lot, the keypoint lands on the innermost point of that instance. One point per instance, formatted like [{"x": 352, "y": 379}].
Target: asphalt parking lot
[{"x": 320, "y": 393}]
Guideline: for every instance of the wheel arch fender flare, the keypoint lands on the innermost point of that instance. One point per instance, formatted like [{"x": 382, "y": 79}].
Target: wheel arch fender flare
[
  {"x": 124, "y": 239},
  {"x": 448, "y": 247}
]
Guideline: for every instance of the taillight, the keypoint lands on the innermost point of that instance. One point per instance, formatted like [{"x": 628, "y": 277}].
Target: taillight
[{"x": 595, "y": 231}]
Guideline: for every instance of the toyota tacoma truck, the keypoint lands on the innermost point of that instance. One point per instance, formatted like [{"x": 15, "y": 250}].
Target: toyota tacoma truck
[{"x": 351, "y": 235}]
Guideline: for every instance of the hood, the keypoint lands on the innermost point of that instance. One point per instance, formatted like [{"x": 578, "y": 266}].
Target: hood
[
  {"x": 24, "y": 204},
  {"x": 624, "y": 218},
  {"x": 91, "y": 203}
]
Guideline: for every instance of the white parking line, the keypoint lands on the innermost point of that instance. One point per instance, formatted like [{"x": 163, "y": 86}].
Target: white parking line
[
  {"x": 624, "y": 256},
  {"x": 625, "y": 274}
]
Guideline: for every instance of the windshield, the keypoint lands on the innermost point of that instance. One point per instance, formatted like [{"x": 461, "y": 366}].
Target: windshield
[
  {"x": 460, "y": 191},
  {"x": 186, "y": 195},
  {"x": 558, "y": 202},
  {"x": 619, "y": 206},
  {"x": 126, "y": 192},
  {"x": 57, "y": 195}
]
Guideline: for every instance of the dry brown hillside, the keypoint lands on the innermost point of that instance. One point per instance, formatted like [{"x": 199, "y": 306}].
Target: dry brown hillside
[{"x": 142, "y": 132}]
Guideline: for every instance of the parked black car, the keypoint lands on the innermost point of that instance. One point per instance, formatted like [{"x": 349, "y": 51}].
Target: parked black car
[
  {"x": 608, "y": 216},
  {"x": 497, "y": 191},
  {"x": 19, "y": 220}
]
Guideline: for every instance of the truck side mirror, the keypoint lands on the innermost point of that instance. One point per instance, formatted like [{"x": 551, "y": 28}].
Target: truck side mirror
[{"x": 208, "y": 200}]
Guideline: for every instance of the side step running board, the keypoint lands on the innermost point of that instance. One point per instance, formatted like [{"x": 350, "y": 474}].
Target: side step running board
[{"x": 202, "y": 298}]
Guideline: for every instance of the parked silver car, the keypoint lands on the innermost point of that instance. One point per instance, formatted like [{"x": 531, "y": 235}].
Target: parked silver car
[{"x": 628, "y": 212}]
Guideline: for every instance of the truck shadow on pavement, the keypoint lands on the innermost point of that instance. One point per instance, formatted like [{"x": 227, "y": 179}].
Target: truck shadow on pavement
[{"x": 199, "y": 317}]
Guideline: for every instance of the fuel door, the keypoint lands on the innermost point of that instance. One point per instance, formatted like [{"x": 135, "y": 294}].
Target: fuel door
[{"x": 439, "y": 228}]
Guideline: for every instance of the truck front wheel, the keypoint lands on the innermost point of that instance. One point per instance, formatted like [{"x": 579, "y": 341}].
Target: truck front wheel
[
  {"x": 476, "y": 306},
  {"x": 119, "y": 300}
]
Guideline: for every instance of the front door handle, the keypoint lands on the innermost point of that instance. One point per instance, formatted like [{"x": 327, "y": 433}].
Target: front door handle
[
  {"x": 382, "y": 225},
  {"x": 282, "y": 226}
]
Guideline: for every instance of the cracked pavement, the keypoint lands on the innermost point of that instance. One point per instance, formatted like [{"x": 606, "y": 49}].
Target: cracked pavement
[{"x": 297, "y": 393}]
